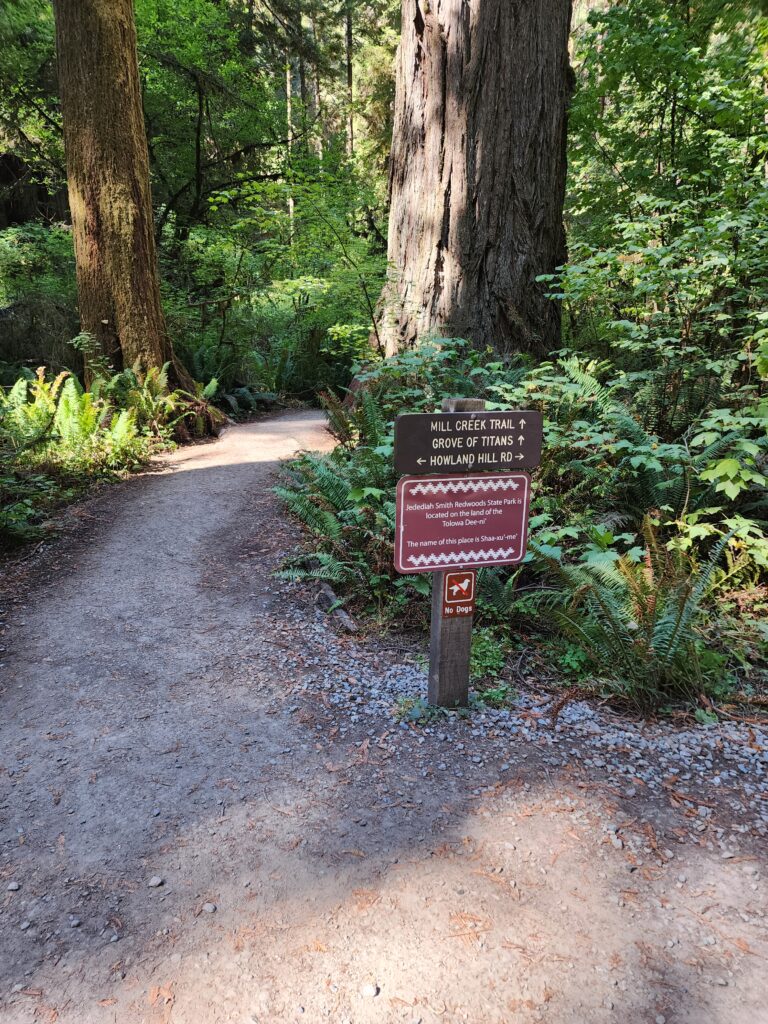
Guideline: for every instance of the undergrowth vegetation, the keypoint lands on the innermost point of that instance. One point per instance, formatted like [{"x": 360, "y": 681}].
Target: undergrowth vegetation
[
  {"x": 649, "y": 556},
  {"x": 647, "y": 575},
  {"x": 56, "y": 437}
]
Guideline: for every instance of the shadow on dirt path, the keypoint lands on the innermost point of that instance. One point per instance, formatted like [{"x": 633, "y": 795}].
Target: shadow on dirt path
[{"x": 193, "y": 832}]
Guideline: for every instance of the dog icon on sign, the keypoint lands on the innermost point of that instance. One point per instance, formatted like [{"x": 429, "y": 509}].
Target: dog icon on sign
[{"x": 459, "y": 587}]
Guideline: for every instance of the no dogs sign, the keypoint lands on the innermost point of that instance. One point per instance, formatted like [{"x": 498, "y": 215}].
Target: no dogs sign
[{"x": 459, "y": 593}]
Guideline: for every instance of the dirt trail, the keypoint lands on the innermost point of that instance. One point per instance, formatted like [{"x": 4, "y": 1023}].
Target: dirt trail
[{"x": 161, "y": 719}]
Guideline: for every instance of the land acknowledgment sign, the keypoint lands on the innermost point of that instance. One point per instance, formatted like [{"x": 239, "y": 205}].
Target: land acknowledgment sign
[{"x": 461, "y": 521}]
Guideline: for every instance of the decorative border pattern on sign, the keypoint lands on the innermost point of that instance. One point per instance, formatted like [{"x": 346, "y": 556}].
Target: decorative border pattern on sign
[
  {"x": 470, "y": 551},
  {"x": 462, "y": 557},
  {"x": 460, "y": 485}
]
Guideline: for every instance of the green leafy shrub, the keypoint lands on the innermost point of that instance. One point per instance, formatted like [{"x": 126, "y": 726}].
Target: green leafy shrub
[
  {"x": 37, "y": 300},
  {"x": 574, "y": 660},
  {"x": 56, "y": 437},
  {"x": 637, "y": 622},
  {"x": 604, "y": 483},
  {"x": 498, "y": 696},
  {"x": 488, "y": 654}
]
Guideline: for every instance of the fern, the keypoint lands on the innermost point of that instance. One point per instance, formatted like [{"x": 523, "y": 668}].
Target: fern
[
  {"x": 328, "y": 568},
  {"x": 340, "y": 421},
  {"x": 637, "y": 622},
  {"x": 122, "y": 430},
  {"x": 372, "y": 425},
  {"x": 17, "y": 396},
  {"x": 28, "y": 411},
  {"x": 319, "y": 520},
  {"x": 328, "y": 483},
  {"x": 691, "y": 595},
  {"x": 77, "y": 415}
]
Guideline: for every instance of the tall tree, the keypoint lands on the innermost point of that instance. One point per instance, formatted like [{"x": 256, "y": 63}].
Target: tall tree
[
  {"x": 348, "y": 57},
  {"x": 108, "y": 181},
  {"x": 477, "y": 173}
]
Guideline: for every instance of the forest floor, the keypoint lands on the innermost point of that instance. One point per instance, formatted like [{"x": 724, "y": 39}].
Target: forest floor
[{"x": 203, "y": 819}]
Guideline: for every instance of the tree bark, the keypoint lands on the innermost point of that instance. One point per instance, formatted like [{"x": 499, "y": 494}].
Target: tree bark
[
  {"x": 289, "y": 138},
  {"x": 108, "y": 181},
  {"x": 477, "y": 174},
  {"x": 317, "y": 101},
  {"x": 302, "y": 69},
  {"x": 348, "y": 52}
]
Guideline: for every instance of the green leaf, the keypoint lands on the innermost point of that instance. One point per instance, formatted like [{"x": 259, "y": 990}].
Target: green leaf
[{"x": 360, "y": 493}]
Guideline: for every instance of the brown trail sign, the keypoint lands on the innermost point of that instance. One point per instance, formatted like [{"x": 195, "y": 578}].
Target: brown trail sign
[
  {"x": 449, "y": 525},
  {"x": 467, "y": 442}
]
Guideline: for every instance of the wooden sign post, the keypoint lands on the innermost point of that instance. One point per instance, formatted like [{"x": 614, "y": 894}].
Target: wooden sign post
[
  {"x": 450, "y": 639},
  {"x": 451, "y": 525}
]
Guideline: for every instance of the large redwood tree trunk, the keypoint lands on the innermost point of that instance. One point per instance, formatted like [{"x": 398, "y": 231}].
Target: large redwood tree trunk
[
  {"x": 108, "y": 181},
  {"x": 477, "y": 176}
]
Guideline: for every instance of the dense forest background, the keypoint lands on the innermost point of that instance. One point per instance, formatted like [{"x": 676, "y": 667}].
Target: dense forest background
[{"x": 269, "y": 128}]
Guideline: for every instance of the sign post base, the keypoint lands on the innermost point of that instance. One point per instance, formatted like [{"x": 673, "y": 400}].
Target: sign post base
[{"x": 449, "y": 649}]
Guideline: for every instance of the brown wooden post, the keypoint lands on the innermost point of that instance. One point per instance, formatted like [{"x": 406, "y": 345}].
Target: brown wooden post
[{"x": 450, "y": 638}]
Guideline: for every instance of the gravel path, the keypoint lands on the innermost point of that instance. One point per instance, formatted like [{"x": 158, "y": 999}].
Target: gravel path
[{"x": 208, "y": 812}]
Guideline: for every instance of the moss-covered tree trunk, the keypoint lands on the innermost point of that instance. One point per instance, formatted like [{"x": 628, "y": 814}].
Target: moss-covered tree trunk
[
  {"x": 108, "y": 181},
  {"x": 477, "y": 177}
]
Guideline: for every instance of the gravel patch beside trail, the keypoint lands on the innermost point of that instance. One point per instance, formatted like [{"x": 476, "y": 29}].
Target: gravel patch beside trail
[
  {"x": 728, "y": 763},
  {"x": 209, "y": 812}
]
